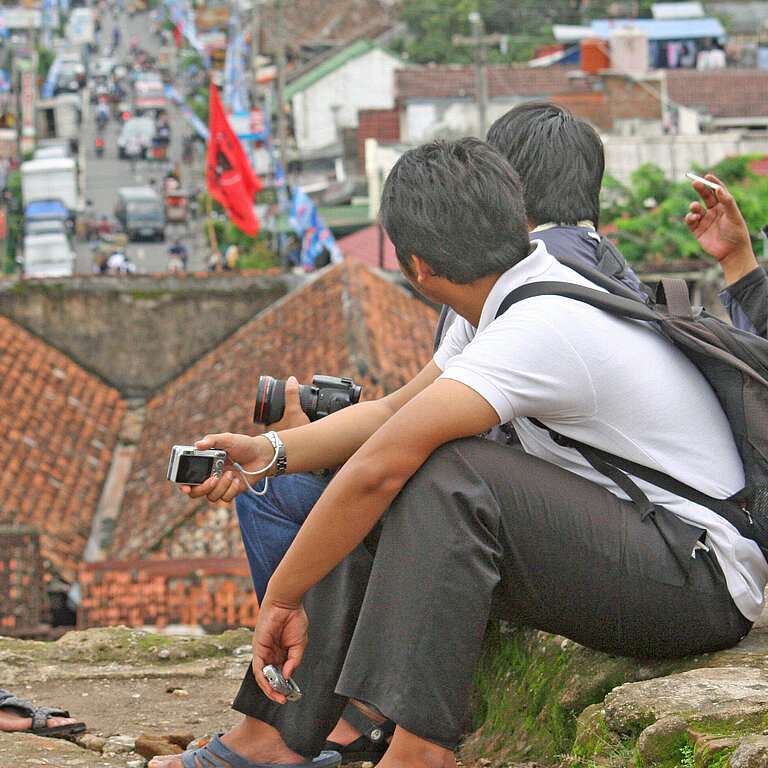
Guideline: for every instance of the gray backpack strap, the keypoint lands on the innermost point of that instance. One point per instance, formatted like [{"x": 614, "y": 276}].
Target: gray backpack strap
[
  {"x": 674, "y": 293},
  {"x": 610, "y": 260}
]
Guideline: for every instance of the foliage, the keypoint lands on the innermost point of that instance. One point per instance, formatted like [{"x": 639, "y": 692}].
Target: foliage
[
  {"x": 14, "y": 216},
  {"x": 432, "y": 25},
  {"x": 255, "y": 252},
  {"x": 648, "y": 213},
  {"x": 45, "y": 57}
]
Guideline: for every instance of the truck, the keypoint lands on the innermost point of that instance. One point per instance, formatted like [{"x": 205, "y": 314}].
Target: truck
[
  {"x": 47, "y": 255},
  {"x": 60, "y": 118},
  {"x": 50, "y": 179}
]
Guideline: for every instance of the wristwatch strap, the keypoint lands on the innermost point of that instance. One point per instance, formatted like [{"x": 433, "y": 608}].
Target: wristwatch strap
[{"x": 281, "y": 463}]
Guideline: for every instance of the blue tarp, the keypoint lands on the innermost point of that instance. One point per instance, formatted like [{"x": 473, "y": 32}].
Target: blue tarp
[
  {"x": 46, "y": 209},
  {"x": 662, "y": 29}
]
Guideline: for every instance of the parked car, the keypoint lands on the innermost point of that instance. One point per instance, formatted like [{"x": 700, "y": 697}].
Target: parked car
[
  {"x": 47, "y": 255},
  {"x": 139, "y": 128},
  {"x": 140, "y": 213}
]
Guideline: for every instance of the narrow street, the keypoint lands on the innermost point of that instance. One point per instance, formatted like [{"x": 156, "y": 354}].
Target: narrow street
[{"x": 103, "y": 176}]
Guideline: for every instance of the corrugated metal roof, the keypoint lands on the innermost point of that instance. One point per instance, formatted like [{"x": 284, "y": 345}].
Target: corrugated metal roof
[{"x": 662, "y": 29}]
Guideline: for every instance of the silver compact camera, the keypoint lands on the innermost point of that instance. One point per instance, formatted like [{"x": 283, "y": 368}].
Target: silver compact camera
[
  {"x": 193, "y": 467},
  {"x": 275, "y": 678}
]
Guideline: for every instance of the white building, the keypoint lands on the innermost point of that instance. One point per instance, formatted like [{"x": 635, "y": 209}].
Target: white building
[{"x": 327, "y": 99}]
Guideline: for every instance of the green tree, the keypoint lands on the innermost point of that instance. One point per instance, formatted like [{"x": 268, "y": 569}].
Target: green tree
[
  {"x": 660, "y": 232},
  {"x": 431, "y": 27}
]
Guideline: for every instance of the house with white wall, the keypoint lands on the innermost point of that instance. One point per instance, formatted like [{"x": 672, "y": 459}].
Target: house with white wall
[{"x": 326, "y": 100}]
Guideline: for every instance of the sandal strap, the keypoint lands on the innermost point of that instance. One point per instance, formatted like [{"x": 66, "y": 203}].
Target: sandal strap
[
  {"x": 375, "y": 732},
  {"x": 26, "y": 708},
  {"x": 216, "y": 754}
]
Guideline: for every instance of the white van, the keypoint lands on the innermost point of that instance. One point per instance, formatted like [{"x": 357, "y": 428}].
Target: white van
[{"x": 47, "y": 255}]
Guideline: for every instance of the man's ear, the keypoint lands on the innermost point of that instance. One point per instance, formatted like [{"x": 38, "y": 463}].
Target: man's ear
[{"x": 421, "y": 270}]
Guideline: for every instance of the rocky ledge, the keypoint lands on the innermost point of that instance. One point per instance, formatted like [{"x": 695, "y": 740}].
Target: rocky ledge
[{"x": 540, "y": 700}]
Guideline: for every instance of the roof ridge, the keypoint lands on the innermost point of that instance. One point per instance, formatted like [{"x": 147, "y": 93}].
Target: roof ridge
[{"x": 354, "y": 317}]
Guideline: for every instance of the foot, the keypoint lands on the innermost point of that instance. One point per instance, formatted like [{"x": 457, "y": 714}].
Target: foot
[
  {"x": 10, "y": 720},
  {"x": 252, "y": 739},
  {"x": 345, "y": 733}
]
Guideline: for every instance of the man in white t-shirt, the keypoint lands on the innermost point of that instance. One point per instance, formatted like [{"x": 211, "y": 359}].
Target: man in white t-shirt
[{"x": 463, "y": 528}]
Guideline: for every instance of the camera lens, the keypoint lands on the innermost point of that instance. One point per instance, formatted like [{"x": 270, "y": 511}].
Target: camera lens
[{"x": 270, "y": 400}]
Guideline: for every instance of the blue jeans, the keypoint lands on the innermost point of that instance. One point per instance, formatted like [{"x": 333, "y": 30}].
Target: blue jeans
[{"x": 269, "y": 523}]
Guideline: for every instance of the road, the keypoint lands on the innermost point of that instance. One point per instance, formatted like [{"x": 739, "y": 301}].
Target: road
[{"x": 103, "y": 176}]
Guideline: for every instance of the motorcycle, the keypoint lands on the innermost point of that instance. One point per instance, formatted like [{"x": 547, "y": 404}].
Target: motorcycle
[{"x": 99, "y": 146}]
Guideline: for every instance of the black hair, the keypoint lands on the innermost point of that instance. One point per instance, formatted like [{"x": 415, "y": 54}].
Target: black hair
[
  {"x": 559, "y": 158},
  {"x": 458, "y": 205}
]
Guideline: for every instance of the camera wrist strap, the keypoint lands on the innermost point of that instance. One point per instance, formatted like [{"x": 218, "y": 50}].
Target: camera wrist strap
[{"x": 278, "y": 458}]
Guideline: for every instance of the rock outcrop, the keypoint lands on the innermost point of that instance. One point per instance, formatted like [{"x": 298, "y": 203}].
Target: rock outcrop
[{"x": 539, "y": 700}]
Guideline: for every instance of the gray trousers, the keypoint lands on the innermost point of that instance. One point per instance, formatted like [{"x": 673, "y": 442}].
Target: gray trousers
[{"x": 483, "y": 530}]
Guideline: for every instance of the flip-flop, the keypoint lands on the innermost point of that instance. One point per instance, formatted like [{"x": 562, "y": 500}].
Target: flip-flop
[
  {"x": 216, "y": 754},
  {"x": 39, "y": 716}
]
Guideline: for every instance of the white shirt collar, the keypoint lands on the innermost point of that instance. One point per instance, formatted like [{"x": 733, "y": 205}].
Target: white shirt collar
[{"x": 533, "y": 266}]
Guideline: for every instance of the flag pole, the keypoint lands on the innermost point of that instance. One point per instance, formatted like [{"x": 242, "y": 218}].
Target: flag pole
[{"x": 211, "y": 231}]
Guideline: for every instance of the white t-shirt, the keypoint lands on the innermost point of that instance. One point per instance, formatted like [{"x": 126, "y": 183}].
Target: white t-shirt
[{"x": 614, "y": 384}]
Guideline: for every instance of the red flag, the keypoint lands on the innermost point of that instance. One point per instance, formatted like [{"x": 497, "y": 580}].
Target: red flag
[{"x": 229, "y": 175}]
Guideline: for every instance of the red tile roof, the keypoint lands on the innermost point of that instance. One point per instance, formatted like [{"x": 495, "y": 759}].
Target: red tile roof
[
  {"x": 365, "y": 244},
  {"x": 454, "y": 81},
  {"x": 59, "y": 426},
  {"x": 721, "y": 93},
  {"x": 347, "y": 322}
]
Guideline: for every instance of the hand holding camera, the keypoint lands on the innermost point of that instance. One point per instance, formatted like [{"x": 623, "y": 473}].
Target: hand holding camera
[{"x": 222, "y": 483}]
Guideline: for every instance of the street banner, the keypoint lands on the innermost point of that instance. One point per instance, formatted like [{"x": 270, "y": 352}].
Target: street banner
[
  {"x": 310, "y": 228},
  {"x": 229, "y": 176}
]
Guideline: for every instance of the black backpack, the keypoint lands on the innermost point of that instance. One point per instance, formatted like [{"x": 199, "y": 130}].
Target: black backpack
[{"x": 734, "y": 362}]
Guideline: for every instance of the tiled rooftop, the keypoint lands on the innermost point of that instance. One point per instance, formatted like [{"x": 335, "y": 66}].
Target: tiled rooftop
[
  {"x": 721, "y": 93},
  {"x": 347, "y": 322},
  {"x": 59, "y": 425},
  {"x": 455, "y": 81},
  {"x": 364, "y": 245}
]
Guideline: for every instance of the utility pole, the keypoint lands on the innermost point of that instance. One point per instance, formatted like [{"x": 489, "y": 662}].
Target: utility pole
[
  {"x": 255, "y": 53},
  {"x": 480, "y": 42}
]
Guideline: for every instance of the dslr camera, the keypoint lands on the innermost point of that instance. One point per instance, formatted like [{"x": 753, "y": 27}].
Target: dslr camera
[
  {"x": 193, "y": 467},
  {"x": 325, "y": 395}
]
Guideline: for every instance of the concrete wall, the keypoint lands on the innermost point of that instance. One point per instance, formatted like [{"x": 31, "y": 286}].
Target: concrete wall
[{"x": 138, "y": 332}]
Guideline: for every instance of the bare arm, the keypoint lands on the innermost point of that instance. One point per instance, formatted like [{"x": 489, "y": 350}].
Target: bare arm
[
  {"x": 351, "y": 504},
  {"x": 322, "y": 444}
]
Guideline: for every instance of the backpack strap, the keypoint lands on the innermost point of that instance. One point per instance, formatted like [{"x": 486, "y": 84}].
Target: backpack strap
[
  {"x": 613, "y": 466},
  {"x": 673, "y": 292},
  {"x": 609, "y": 464}
]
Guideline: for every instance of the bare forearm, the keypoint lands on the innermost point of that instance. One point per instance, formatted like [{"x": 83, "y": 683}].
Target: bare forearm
[
  {"x": 331, "y": 441},
  {"x": 342, "y": 517}
]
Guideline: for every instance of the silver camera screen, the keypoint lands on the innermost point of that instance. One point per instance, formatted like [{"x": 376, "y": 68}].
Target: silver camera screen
[{"x": 194, "y": 470}]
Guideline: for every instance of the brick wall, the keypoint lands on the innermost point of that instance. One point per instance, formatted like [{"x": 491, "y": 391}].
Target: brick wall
[
  {"x": 214, "y": 593},
  {"x": 380, "y": 124},
  {"x": 21, "y": 581}
]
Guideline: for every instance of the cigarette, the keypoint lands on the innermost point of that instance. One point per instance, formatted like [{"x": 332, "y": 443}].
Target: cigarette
[{"x": 705, "y": 182}]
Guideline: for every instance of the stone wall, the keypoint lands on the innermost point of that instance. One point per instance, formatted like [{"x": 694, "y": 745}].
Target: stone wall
[{"x": 139, "y": 332}]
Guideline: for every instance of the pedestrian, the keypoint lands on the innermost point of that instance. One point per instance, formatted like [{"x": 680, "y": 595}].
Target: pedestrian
[{"x": 232, "y": 257}]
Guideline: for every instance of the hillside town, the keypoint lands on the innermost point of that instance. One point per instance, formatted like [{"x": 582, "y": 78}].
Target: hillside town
[{"x": 145, "y": 293}]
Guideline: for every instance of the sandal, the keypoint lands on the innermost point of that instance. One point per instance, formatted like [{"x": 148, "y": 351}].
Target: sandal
[
  {"x": 39, "y": 716},
  {"x": 369, "y": 747},
  {"x": 216, "y": 754}
]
